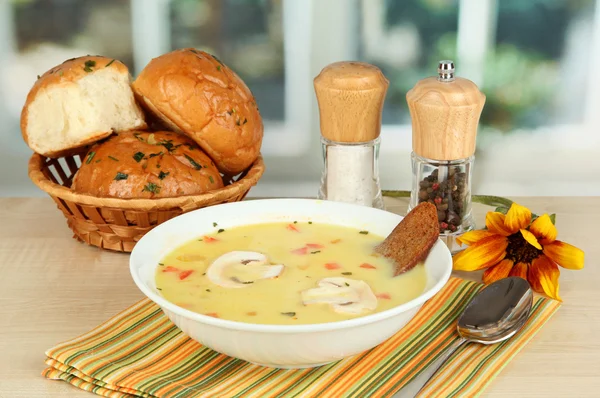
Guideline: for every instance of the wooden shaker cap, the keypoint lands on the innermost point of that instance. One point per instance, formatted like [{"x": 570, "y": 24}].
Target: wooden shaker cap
[
  {"x": 350, "y": 97},
  {"x": 445, "y": 116}
]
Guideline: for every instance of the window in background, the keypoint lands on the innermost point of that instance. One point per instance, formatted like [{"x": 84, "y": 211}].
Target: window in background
[
  {"x": 535, "y": 55},
  {"x": 406, "y": 39},
  {"x": 98, "y": 27},
  {"x": 247, "y": 34},
  {"x": 536, "y": 73},
  {"x": 535, "y": 61}
]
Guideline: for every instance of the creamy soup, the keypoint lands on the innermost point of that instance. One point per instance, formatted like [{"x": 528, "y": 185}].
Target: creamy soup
[{"x": 285, "y": 273}]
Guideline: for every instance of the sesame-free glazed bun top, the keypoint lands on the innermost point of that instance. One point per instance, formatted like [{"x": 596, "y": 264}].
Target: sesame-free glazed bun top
[
  {"x": 146, "y": 165},
  {"x": 77, "y": 103},
  {"x": 194, "y": 93}
]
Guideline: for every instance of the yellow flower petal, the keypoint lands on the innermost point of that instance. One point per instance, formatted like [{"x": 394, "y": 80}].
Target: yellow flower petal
[
  {"x": 468, "y": 238},
  {"x": 485, "y": 253},
  {"x": 565, "y": 255},
  {"x": 544, "y": 273},
  {"x": 534, "y": 281},
  {"x": 519, "y": 269},
  {"x": 494, "y": 222},
  {"x": 531, "y": 239},
  {"x": 518, "y": 217},
  {"x": 498, "y": 271},
  {"x": 543, "y": 228}
]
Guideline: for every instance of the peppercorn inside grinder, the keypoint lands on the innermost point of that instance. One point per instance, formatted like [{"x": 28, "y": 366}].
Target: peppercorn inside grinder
[
  {"x": 445, "y": 112},
  {"x": 350, "y": 97}
]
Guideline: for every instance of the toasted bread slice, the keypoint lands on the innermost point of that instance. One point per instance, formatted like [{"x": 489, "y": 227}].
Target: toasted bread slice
[{"x": 412, "y": 239}]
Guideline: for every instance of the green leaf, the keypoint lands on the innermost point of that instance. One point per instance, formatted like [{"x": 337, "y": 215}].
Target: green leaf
[
  {"x": 501, "y": 209},
  {"x": 490, "y": 200},
  {"x": 121, "y": 176},
  {"x": 501, "y": 204},
  {"x": 138, "y": 156},
  {"x": 90, "y": 157},
  {"x": 162, "y": 175},
  {"x": 193, "y": 162},
  {"x": 217, "y": 59},
  {"x": 89, "y": 65},
  {"x": 151, "y": 187},
  {"x": 288, "y": 313}
]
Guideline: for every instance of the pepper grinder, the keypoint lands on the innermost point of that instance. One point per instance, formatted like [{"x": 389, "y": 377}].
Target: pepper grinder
[
  {"x": 445, "y": 112},
  {"x": 350, "y": 97}
]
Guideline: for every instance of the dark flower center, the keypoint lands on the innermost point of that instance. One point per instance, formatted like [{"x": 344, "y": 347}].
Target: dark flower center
[{"x": 521, "y": 251}]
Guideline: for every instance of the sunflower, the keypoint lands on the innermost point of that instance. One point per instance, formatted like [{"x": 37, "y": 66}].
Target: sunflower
[{"x": 513, "y": 245}]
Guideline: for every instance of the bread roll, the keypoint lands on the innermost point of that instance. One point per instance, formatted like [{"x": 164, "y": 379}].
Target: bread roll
[
  {"x": 146, "y": 165},
  {"x": 196, "y": 94},
  {"x": 77, "y": 103}
]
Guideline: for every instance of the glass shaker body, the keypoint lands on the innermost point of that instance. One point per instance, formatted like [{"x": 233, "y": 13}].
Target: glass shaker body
[
  {"x": 447, "y": 185},
  {"x": 351, "y": 172}
]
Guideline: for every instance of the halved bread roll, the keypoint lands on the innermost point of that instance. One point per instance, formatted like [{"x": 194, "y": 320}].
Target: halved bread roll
[{"x": 79, "y": 102}]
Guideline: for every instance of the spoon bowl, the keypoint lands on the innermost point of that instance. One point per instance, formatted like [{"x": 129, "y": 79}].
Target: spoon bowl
[{"x": 495, "y": 314}]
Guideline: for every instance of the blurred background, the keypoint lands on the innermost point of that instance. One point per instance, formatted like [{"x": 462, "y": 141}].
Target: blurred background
[{"x": 537, "y": 61}]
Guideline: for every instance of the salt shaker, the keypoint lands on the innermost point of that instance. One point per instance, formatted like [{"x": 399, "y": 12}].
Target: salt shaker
[
  {"x": 445, "y": 112},
  {"x": 350, "y": 97}
]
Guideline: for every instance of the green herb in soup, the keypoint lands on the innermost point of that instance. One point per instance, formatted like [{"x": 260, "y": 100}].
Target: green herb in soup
[{"x": 285, "y": 273}]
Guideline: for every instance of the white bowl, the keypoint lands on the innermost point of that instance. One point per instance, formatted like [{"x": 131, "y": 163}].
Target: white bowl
[{"x": 282, "y": 346}]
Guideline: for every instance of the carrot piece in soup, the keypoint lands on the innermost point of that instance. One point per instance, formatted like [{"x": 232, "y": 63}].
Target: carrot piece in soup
[
  {"x": 367, "y": 266},
  {"x": 336, "y": 241},
  {"x": 251, "y": 313},
  {"x": 213, "y": 314},
  {"x": 169, "y": 268},
  {"x": 331, "y": 266},
  {"x": 185, "y": 274},
  {"x": 314, "y": 246},
  {"x": 383, "y": 296},
  {"x": 301, "y": 251},
  {"x": 291, "y": 227},
  {"x": 210, "y": 239}
]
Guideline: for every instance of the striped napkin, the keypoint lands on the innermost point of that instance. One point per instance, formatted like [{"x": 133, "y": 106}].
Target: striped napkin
[{"x": 140, "y": 353}]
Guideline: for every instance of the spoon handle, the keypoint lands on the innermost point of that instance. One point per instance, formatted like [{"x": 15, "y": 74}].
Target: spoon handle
[{"x": 411, "y": 389}]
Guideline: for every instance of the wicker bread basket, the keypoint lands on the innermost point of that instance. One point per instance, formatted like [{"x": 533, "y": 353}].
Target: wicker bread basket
[{"x": 117, "y": 224}]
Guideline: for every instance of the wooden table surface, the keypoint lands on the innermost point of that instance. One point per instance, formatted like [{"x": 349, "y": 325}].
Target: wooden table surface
[{"x": 53, "y": 288}]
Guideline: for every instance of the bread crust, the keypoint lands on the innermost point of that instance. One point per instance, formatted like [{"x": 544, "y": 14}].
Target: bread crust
[
  {"x": 150, "y": 165},
  {"x": 412, "y": 239},
  {"x": 194, "y": 93},
  {"x": 70, "y": 70}
]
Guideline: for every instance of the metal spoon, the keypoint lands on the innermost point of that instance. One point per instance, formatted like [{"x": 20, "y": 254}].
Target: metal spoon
[{"x": 495, "y": 314}]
